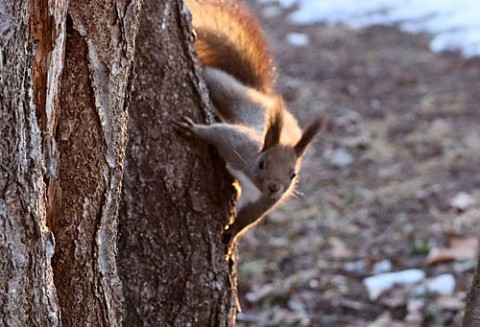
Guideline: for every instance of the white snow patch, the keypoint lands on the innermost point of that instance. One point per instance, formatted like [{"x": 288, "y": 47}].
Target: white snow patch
[
  {"x": 454, "y": 23},
  {"x": 378, "y": 284},
  {"x": 339, "y": 158},
  {"x": 382, "y": 267},
  {"x": 443, "y": 284},
  {"x": 462, "y": 201},
  {"x": 298, "y": 39}
]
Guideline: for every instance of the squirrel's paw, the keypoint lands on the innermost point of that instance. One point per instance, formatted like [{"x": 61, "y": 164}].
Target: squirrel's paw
[{"x": 185, "y": 124}]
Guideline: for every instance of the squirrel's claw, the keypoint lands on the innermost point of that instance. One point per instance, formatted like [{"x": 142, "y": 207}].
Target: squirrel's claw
[{"x": 185, "y": 124}]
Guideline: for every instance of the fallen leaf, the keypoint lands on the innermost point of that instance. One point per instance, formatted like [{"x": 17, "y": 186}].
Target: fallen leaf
[
  {"x": 338, "y": 249},
  {"x": 396, "y": 297},
  {"x": 461, "y": 248},
  {"x": 385, "y": 320},
  {"x": 450, "y": 303}
]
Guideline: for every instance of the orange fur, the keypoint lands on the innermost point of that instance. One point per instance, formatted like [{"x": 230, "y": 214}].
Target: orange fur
[{"x": 230, "y": 38}]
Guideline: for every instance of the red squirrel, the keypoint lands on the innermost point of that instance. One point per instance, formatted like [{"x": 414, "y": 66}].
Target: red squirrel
[{"x": 258, "y": 137}]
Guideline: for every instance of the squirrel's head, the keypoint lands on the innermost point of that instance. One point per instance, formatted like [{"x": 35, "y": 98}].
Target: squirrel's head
[{"x": 277, "y": 164}]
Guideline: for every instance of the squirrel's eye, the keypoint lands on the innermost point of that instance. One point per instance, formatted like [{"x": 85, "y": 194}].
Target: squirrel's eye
[
  {"x": 261, "y": 164},
  {"x": 293, "y": 175}
]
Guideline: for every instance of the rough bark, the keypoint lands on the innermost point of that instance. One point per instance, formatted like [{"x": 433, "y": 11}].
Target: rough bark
[
  {"x": 176, "y": 194},
  {"x": 65, "y": 75},
  {"x": 91, "y": 140},
  {"x": 27, "y": 294},
  {"x": 472, "y": 309},
  {"x": 63, "y": 136}
]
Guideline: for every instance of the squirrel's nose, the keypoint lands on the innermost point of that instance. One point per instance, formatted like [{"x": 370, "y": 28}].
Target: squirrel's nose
[{"x": 273, "y": 187}]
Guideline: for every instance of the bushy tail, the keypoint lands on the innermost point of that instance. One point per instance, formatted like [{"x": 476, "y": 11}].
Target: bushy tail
[{"x": 230, "y": 38}]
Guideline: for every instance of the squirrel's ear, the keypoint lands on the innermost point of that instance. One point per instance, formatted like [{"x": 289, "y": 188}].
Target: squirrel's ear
[
  {"x": 310, "y": 131},
  {"x": 275, "y": 121}
]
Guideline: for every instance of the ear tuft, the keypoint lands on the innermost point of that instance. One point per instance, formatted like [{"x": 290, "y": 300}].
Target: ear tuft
[
  {"x": 275, "y": 121},
  {"x": 310, "y": 131}
]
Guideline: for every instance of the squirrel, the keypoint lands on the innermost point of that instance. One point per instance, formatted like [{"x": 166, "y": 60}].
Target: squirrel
[{"x": 257, "y": 136}]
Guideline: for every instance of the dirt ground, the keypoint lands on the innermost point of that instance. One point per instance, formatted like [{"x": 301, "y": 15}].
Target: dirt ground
[{"x": 393, "y": 184}]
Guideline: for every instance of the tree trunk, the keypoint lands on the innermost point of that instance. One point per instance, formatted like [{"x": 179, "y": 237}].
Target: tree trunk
[
  {"x": 27, "y": 296},
  {"x": 63, "y": 136},
  {"x": 91, "y": 144},
  {"x": 176, "y": 193},
  {"x": 65, "y": 75},
  {"x": 472, "y": 309}
]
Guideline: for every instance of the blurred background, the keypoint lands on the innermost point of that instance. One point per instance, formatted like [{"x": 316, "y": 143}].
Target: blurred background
[{"x": 385, "y": 229}]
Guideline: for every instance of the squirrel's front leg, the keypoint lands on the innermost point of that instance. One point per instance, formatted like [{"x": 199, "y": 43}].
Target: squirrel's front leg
[
  {"x": 246, "y": 216},
  {"x": 233, "y": 142},
  {"x": 211, "y": 134}
]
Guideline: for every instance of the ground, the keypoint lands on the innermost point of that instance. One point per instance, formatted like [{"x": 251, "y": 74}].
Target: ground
[{"x": 392, "y": 184}]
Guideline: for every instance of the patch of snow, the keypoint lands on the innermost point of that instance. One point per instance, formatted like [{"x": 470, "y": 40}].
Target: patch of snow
[
  {"x": 378, "y": 284},
  {"x": 454, "y": 23},
  {"x": 356, "y": 267},
  {"x": 339, "y": 158},
  {"x": 382, "y": 267},
  {"x": 298, "y": 39},
  {"x": 462, "y": 201},
  {"x": 443, "y": 284}
]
